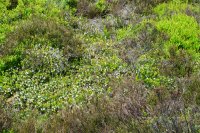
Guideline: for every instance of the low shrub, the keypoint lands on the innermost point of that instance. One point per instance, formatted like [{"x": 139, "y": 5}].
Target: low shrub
[
  {"x": 45, "y": 33},
  {"x": 192, "y": 93},
  {"x": 179, "y": 64},
  {"x": 40, "y": 31},
  {"x": 5, "y": 118},
  {"x": 146, "y": 6},
  {"x": 44, "y": 59},
  {"x": 92, "y": 9},
  {"x": 130, "y": 108},
  {"x": 122, "y": 112}
]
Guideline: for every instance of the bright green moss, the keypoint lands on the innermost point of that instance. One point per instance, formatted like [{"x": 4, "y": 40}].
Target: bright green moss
[
  {"x": 183, "y": 31},
  {"x": 167, "y": 8}
]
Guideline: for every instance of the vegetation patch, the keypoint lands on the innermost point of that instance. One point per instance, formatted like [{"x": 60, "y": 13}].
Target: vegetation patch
[{"x": 99, "y": 66}]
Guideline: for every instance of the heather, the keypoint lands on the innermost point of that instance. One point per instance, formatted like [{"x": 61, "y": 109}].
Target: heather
[{"x": 99, "y": 66}]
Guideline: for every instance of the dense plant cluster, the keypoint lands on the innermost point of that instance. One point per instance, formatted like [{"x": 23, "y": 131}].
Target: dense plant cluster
[{"x": 99, "y": 66}]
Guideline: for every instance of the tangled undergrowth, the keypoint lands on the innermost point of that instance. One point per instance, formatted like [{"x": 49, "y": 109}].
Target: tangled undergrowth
[{"x": 99, "y": 66}]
